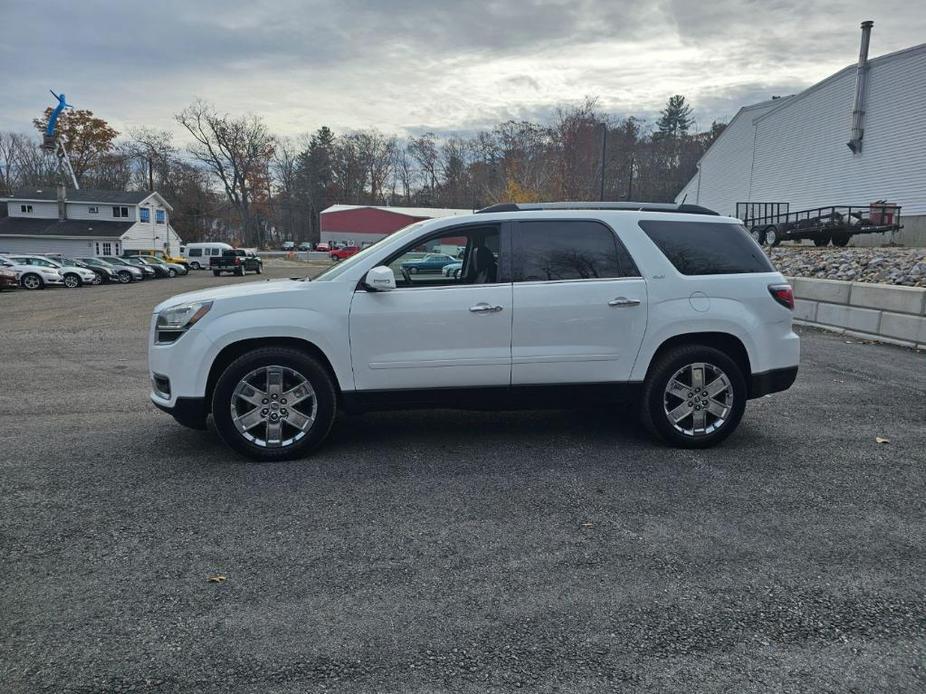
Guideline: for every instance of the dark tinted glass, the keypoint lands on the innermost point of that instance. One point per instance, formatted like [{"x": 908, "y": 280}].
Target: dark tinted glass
[
  {"x": 568, "y": 250},
  {"x": 707, "y": 248}
]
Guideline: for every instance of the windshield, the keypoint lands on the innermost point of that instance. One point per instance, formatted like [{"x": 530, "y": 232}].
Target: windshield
[{"x": 337, "y": 270}]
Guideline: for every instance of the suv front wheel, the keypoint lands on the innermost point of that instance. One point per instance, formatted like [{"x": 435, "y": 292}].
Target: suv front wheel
[
  {"x": 694, "y": 396},
  {"x": 274, "y": 403}
]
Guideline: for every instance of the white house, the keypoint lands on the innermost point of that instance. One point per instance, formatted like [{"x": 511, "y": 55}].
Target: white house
[
  {"x": 86, "y": 222},
  {"x": 796, "y": 149}
]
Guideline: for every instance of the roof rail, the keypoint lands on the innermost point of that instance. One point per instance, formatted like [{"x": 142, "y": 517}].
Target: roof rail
[{"x": 631, "y": 206}]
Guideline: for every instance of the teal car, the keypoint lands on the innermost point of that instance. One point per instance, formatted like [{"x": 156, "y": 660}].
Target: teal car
[{"x": 431, "y": 263}]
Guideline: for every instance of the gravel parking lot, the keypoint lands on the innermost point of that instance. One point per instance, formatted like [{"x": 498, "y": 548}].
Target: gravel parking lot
[{"x": 433, "y": 551}]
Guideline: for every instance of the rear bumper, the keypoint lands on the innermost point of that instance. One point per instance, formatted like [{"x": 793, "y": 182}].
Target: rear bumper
[{"x": 771, "y": 381}]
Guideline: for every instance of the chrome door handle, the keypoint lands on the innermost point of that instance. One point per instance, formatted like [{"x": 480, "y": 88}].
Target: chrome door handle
[
  {"x": 623, "y": 301},
  {"x": 484, "y": 308}
]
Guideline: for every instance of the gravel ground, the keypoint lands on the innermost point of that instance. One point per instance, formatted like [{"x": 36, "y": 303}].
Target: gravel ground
[
  {"x": 903, "y": 266},
  {"x": 447, "y": 551}
]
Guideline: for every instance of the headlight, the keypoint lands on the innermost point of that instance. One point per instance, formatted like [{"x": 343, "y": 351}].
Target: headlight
[{"x": 174, "y": 321}]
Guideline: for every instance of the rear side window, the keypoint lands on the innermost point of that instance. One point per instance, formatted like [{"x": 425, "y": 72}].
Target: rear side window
[
  {"x": 707, "y": 248},
  {"x": 196, "y": 252},
  {"x": 568, "y": 250}
]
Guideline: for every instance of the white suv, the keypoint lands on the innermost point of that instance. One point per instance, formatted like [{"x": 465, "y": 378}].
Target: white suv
[{"x": 556, "y": 305}]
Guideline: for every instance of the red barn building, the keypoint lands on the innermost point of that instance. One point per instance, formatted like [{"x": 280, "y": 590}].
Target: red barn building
[{"x": 365, "y": 224}]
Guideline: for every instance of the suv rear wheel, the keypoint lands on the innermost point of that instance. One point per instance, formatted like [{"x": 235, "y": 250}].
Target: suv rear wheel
[
  {"x": 694, "y": 396},
  {"x": 274, "y": 403}
]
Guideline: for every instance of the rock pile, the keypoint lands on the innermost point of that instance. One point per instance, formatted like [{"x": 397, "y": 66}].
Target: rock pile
[{"x": 903, "y": 266}]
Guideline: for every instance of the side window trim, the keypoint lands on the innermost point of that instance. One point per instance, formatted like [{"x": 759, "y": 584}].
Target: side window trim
[
  {"x": 504, "y": 266},
  {"x": 620, "y": 249}
]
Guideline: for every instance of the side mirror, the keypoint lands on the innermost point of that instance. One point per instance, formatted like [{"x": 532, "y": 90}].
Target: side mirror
[{"x": 380, "y": 279}]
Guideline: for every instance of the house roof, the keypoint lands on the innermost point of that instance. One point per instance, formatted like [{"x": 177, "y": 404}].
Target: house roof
[
  {"x": 103, "y": 197},
  {"x": 18, "y": 226},
  {"x": 424, "y": 212}
]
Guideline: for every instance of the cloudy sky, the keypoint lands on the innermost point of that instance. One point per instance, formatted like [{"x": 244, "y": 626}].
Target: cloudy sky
[{"x": 409, "y": 65}]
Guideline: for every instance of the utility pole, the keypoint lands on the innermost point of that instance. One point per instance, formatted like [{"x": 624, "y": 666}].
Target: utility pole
[
  {"x": 630, "y": 181},
  {"x": 604, "y": 151}
]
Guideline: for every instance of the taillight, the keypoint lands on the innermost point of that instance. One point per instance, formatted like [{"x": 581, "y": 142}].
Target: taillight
[{"x": 783, "y": 294}]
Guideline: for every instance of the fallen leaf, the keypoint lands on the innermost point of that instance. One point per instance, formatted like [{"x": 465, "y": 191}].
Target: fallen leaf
[
  {"x": 217, "y": 579},
  {"x": 881, "y": 439}
]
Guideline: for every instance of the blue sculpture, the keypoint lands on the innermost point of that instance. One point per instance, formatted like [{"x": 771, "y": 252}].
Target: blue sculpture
[{"x": 53, "y": 120}]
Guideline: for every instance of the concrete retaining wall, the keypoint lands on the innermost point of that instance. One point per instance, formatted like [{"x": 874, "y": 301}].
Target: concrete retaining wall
[{"x": 879, "y": 311}]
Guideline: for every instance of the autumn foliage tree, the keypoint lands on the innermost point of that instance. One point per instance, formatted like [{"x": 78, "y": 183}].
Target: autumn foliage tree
[{"x": 89, "y": 140}]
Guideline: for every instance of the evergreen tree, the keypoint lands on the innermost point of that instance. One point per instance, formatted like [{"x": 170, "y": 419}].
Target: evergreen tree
[{"x": 676, "y": 118}]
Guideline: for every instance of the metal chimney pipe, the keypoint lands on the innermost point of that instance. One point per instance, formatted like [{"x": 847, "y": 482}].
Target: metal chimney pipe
[
  {"x": 62, "y": 203},
  {"x": 861, "y": 81}
]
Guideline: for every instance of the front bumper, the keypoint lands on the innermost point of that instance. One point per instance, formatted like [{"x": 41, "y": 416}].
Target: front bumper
[{"x": 190, "y": 412}]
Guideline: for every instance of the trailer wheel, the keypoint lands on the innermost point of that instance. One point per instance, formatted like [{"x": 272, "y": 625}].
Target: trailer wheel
[
  {"x": 758, "y": 234},
  {"x": 821, "y": 240},
  {"x": 772, "y": 236},
  {"x": 841, "y": 239}
]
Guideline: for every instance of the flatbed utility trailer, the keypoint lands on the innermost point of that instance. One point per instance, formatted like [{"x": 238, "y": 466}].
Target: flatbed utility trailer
[{"x": 772, "y": 223}]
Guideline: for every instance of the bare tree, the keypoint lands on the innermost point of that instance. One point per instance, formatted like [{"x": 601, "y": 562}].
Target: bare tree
[{"x": 237, "y": 152}]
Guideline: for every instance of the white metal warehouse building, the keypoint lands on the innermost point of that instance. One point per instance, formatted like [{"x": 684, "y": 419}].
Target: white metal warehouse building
[{"x": 794, "y": 149}]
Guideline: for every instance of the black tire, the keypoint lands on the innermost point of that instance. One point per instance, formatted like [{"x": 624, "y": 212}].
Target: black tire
[
  {"x": 413, "y": 270},
  {"x": 758, "y": 234},
  {"x": 655, "y": 400},
  {"x": 260, "y": 269},
  {"x": 31, "y": 280},
  {"x": 821, "y": 241},
  {"x": 239, "y": 271},
  {"x": 72, "y": 280},
  {"x": 306, "y": 366},
  {"x": 216, "y": 273},
  {"x": 841, "y": 239},
  {"x": 171, "y": 273},
  {"x": 195, "y": 266},
  {"x": 124, "y": 276}
]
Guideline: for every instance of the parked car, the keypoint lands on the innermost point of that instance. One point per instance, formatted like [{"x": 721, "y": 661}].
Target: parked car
[
  {"x": 160, "y": 271},
  {"x": 8, "y": 278},
  {"x": 72, "y": 276},
  {"x": 238, "y": 261},
  {"x": 31, "y": 276},
  {"x": 431, "y": 263},
  {"x": 671, "y": 307},
  {"x": 199, "y": 253},
  {"x": 288, "y": 246},
  {"x": 105, "y": 275},
  {"x": 322, "y": 247},
  {"x": 124, "y": 273},
  {"x": 344, "y": 252},
  {"x": 173, "y": 269},
  {"x": 305, "y": 246},
  {"x": 147, "y": 271},
  {"x": 158, "y": 253},
  {"x": 452, "y": 269}
]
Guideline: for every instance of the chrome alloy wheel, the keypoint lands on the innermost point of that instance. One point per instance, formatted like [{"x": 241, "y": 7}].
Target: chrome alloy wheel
[
  {"x": 273, "y": 406},
  {"x": 698, "y": 399}
]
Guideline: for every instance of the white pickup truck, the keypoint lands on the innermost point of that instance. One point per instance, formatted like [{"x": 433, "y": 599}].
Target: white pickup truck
[{"x": 555, "y": 305}]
